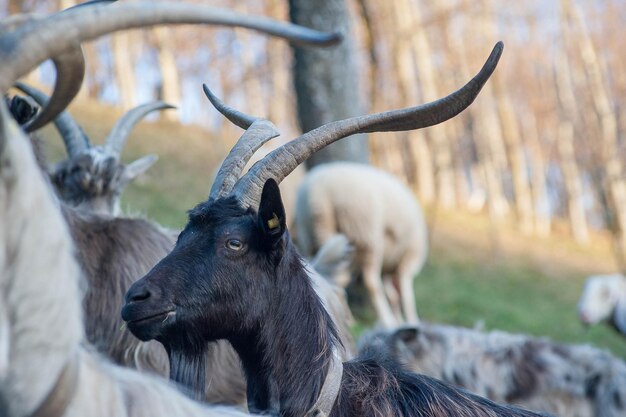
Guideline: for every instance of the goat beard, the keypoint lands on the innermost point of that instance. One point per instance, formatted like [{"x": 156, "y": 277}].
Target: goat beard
[{"x": 188, "y": 369}]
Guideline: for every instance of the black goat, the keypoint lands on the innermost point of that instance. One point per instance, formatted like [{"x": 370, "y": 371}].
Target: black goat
[{"x": 234, "y": 274}]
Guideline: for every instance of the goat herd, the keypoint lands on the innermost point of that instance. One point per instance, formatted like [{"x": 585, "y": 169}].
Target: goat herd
[{"x": 227, "y": 307}]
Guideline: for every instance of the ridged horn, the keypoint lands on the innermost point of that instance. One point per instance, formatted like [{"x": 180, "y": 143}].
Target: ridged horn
[
  {"x": 119, "y": 134},
  {"x": 258, "y": 132},
  {"x": 282, "y": 161}
]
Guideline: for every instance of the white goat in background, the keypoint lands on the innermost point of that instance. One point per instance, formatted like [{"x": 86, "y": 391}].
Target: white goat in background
[
  {"x": 41, "y": 358},
  {"x": 382, "y": 220},
  {"x": 604, "y": 299}
]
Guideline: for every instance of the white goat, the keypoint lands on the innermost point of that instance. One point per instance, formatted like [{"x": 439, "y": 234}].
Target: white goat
[
  {"x": 604, "y": 299},
  {"x": 382, "y": 220},
  {"x": 566, "y": 380},
  {"x": 44, "y": 369}
]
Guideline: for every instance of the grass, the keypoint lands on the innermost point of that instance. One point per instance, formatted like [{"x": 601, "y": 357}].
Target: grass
[{"x": 474, "y": 273}]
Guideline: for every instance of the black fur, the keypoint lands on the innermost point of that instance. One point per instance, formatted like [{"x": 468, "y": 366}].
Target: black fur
[
  {"x": 22, "y": 109},
  {"x": 232, "y": 277}
]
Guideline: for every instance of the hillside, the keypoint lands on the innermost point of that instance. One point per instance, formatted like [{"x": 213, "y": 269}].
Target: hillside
[{"x": 474, "y": 274}]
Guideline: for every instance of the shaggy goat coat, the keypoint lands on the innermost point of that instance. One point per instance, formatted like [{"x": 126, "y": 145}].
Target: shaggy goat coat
[{"x": 566, "y": 380}]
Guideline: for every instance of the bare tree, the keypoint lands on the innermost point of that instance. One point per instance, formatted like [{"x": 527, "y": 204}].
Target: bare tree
[
  {"x": 327, "y": 82},
  {"x": 170, "y": 80}
]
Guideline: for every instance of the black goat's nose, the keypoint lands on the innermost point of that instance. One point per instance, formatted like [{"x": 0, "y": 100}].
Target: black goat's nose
[{"x": 137, "y": 293}]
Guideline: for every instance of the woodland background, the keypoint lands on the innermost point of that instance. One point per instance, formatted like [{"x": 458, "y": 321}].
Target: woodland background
[{"x": 525, "y": 192}]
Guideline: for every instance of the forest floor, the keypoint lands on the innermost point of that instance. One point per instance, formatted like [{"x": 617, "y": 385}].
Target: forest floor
[{"x": 476, "y": 273}]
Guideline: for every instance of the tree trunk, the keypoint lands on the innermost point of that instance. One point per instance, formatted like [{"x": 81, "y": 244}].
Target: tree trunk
[
  {"x": 541, "y": 215},
  {"x": 124, "y": 70},
  {"x": 326, "y": 79},
  {"x": 410, "y": 25},
  {"x": 277, "y": 64},
  {"x": 170, "y": 81},
  {"x": 615, "y": 180}
]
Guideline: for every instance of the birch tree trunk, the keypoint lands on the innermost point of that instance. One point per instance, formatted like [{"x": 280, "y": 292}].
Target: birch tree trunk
[
  {"x": 613, "y": 181},
  {"x": 326, "y": 79},
  {"x": 565, "y": 143},
  {"x": 426, "y": 73},
  {"x": 541, "y": 215},
  {"x": 170, "y": 80},
  {"x": 124, "y": 69}
]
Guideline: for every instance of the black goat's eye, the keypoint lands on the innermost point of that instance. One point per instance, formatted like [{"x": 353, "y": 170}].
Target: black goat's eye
[{"x": 234, "y": 244}]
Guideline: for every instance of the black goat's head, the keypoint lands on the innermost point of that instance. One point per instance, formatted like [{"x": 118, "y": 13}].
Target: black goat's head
[
  {"x": 219, "y": 279},
  {"x": 223, "y": 270}
]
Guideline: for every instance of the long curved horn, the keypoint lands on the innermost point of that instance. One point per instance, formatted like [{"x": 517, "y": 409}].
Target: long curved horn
[
  {"x": 73, "y": 136},
  {"x": 119, "y": 134},
  {"x": 279, "y": 163},
  {"x": 236, "y": 117},
  {"x": 29, "y": 45},
  {"x": 70, "y": 70},
  {"x": 88, "y": 3},
  {"x": 258, "y": 132}
]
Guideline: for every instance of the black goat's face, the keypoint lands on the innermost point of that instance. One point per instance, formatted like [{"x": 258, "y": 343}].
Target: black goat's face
[{"x": 219, "y": 277}]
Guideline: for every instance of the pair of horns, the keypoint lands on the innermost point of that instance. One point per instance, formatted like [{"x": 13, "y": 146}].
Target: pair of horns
[
  {"x": 73, "y": 136},
  {"x": 282, "y": 161},
  {"x": 28, "y": 41}
]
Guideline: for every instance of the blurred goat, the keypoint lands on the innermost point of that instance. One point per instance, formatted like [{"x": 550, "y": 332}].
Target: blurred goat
[
  {"x": 566, "y": 380},
  {"x": 92, "y": 178},
  {"x": 382, "y": 219},
  {"x": 604, "y": 299}
]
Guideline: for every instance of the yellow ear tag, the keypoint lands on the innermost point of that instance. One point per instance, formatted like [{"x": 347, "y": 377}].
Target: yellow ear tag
[{"x": 273, "y": 223}]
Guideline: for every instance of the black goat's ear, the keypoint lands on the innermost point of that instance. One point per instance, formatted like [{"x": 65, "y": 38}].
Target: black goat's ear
[{"x": 271, "y": 214}]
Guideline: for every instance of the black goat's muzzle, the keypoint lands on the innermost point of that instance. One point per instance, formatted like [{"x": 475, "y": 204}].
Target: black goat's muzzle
[{"x": 145, "y": 312}]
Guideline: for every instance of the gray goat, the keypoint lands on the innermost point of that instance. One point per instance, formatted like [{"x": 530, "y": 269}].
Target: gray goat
[
  {"x": 92, "y": 178},
  {"x": 536, "y": 373}
]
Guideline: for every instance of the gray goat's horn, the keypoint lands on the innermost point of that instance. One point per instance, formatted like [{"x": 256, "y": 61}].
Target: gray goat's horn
[
  {"x": 119, "y": 134},
  {"x": 282, "y": 161},
  {"x": 73, "y": 136},
  {"x": 29, "y": 45},
  {"x": 88, "y": 3},
  {"x": 70, "y": 70},
  {"x": 258, "y": 132}
]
